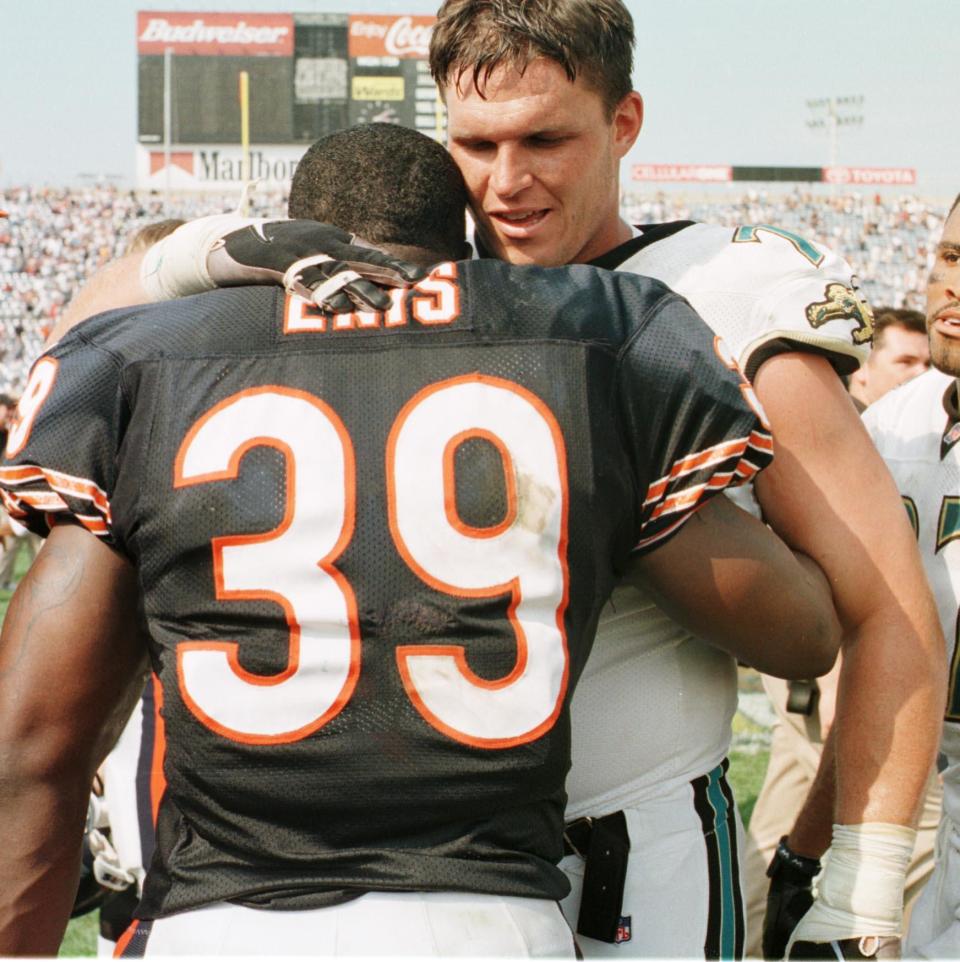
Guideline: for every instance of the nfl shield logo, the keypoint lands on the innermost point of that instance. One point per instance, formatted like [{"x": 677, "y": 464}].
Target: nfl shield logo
[{"x": 623, "y": 929}]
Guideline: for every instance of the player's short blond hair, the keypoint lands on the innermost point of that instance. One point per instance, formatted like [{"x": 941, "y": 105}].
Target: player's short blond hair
[{"x": 146, "y": 236}]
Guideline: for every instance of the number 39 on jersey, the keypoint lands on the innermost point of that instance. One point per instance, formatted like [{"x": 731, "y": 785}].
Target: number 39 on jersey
[{"x": 295, "y": 564}]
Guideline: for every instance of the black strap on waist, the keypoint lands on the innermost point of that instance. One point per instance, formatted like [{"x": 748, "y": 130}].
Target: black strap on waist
[{"x": 604, "y": 843}]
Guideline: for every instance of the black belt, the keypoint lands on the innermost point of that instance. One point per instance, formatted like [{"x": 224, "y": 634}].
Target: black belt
[
  {"x": 576, "y": 836},
  {"x": 604, "y": 844}
]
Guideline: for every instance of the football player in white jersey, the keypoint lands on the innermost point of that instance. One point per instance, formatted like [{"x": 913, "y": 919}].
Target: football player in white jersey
[
  {"x": 540, "y": 113},
  {"x": 916, "y": 428}
]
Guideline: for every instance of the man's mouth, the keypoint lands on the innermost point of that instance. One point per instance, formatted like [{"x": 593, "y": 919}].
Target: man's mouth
[
  {"x": 947, "y": 321},
  {"x": 518, "y": 221}
]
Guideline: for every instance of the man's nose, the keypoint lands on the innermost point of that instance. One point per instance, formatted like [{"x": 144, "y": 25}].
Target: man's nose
[{"x": 511, "y": 173}]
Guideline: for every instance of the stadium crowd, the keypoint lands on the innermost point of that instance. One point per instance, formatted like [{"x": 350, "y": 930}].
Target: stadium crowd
[{"x": 54, "y": 238}]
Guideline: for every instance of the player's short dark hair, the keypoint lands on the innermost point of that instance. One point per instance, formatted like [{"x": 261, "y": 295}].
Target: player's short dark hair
[
  {"x": 388, "y": 184},
  {"x": 592, "y": 39},
  {"x": 7, "y": 401},
  {"x": 887, "y": 317}
]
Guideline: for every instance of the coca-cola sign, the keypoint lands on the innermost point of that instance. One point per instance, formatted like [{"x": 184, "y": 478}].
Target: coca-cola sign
[
  {"x": 372, "y": 35},
  {"x": 213, "y": 34}
]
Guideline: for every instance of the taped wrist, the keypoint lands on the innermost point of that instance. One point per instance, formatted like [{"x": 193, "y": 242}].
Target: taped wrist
[
  {"x": 861, "y": 889},
  {"x": 176, "y": 266}
]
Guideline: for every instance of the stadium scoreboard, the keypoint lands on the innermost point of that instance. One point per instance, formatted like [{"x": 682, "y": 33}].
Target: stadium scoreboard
[{"x": 309, "y": 75}]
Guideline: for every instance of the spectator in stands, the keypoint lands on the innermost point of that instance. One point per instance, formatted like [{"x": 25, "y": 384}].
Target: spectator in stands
[
  {"x": 7, "y": 404},
  {"x": 900, "y": 352}
]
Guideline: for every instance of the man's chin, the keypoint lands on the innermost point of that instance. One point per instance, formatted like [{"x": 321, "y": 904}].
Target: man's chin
[
  {"x": 945, "y": 354},
  {"x": 525, "y": 254}
]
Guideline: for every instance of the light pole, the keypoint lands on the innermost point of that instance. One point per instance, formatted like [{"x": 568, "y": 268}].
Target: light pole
[{"x": 832, "y": 113}]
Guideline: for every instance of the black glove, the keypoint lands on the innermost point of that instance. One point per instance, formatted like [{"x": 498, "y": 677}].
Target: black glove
[
  {"x": 789, "y": 897},
  {"x": 321, "y": 263}
]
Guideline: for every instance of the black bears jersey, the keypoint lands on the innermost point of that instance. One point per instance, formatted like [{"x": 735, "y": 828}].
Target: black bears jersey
[{"x": 372, "y": 550}]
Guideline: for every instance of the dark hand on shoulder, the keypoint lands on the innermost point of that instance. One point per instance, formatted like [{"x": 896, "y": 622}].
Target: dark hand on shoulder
[{"x": 319, "y": 262}]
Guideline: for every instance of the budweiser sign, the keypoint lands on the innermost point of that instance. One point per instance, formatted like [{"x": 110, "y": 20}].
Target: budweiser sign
[
  {"x": 386, "y": 36},
  {"x": 690, "y": 173},
  {"x": 871, "y": 176},
  {"x": 212, "y": 34}
]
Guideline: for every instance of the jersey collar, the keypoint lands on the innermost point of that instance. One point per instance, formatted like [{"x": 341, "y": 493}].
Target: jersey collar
[{"x": 644, "y": 236}]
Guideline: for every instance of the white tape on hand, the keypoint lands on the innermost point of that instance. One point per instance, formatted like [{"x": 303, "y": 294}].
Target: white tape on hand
[
  {"x": 293, "y": 279},
  {"x": 331, "y": 286},
  {"x": 292, "y": 276},
  {"x": 860, "y": 891},
  {"x": 176, "y": 266}
]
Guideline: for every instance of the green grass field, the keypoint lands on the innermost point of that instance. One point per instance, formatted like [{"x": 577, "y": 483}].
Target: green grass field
[{"x": 746, "y": 776}]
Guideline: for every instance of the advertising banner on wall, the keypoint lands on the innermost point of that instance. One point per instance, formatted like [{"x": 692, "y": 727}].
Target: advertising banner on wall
[
  {"x": 215, "y": 34},
  {"x": 390, "y": 79},
  {"x": 683, "y": 173},
  {"x": 216, "y": 167},
  {"x": 871, "y": 176},
  {"x": 722, "y": 173}
]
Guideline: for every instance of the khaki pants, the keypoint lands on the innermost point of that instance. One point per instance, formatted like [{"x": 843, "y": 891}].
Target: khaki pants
[
  {"x": 9, "y": 549},
  {"x": 794, "y": 757}
]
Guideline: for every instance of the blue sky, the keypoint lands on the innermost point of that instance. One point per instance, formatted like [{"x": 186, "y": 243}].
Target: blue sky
[{"x": 725, "y": 82}]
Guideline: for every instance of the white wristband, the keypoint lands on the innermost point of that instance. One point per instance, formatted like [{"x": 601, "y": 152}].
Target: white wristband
[
  {"x": 860, "y": 891},
  {"x": 176, "y": 266}
]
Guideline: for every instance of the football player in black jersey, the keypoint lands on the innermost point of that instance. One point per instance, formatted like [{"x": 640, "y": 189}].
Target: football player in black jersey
[{"x": 369, "y": 551}]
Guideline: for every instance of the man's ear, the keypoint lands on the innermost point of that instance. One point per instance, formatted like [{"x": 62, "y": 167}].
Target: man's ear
[
  {"x": 859, "y": 377},
  {"x": 627, "y": 121}
]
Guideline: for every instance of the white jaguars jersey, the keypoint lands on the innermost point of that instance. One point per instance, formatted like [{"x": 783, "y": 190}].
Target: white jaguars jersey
[
  {"x": 920, "y": 442},
  {"x": 654, "y": 706}
]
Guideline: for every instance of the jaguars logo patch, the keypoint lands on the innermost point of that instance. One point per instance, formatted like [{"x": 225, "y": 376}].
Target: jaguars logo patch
[{"x": 843, "y": 302}]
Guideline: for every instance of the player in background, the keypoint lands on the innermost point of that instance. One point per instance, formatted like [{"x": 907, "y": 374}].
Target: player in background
[
  {"x": 898, "y": 353},
  {"x": 916, "y": 429},
  {"x": 540, "y": 112},
  {"x": 342, "y": 757},
  {"x": 805, "y": 709}
]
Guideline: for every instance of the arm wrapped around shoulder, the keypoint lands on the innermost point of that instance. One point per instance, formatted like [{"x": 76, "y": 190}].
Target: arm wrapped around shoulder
[
  {"x": 858, "y": 910},
  {"x": 319, "y": 262},
  {"x": 176, "y": 266}
]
